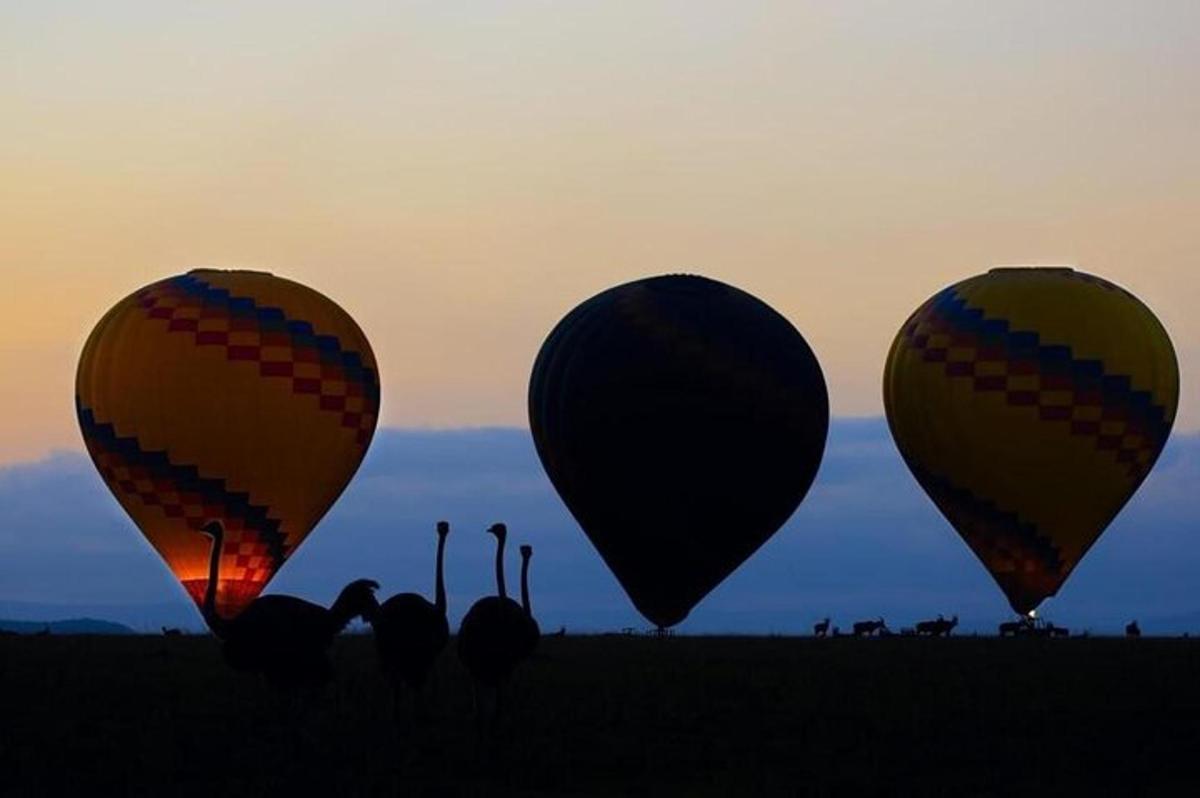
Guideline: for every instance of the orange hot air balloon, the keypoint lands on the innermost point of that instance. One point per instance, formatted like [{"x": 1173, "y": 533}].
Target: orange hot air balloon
[
  {"x": 1030, "y": 404},
  {"x": 233, "y": 396}
]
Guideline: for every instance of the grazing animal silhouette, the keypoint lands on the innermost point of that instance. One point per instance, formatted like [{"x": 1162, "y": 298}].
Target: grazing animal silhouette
[
  {"x": 533, "y": 633},
  {"x": 44, "y": 631},
  {"x": 284, "y": 638},
  {"x": 928, "y": 627},
  {"x": 1015, "y": 628},
  {"x": 868, "y": 628},
  {"x": 1132, "y": 629},
  {"x": 937, "y": 628},
  {"x": 171, "y": 631},
  {"x": 410, "y": 633},
  {"x": 562, "y": 632},
  {"x": 1057, "y": 631},
  {"x": 494, "y": 635},
  {"x": 821, "y": 629}
]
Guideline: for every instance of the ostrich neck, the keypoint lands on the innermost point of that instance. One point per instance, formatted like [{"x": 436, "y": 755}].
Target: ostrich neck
[
  {"x": 500, "y": 591},
  {"x": 439, "y": 598},
  {"x": 341, "y": 613},
  {"x": 209, "y": 608},
  {"x": 525, "y": 586}
]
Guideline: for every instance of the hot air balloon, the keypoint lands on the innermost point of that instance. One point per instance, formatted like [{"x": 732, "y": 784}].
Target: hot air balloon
[
  {"x": 682, "y": 421},
  {"x": 1030, "y": 403},
  {"x": 230, "y": 396}
]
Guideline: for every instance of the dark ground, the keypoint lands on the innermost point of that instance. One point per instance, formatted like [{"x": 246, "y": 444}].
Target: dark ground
[{"x": 618, "y": 716}]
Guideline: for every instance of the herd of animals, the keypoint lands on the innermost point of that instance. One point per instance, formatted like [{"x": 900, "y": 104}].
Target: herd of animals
[{"x": 1024, "y": 626}]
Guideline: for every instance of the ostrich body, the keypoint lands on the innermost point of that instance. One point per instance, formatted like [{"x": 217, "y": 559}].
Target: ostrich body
[
  {"x": 533, "y": 632},
  {"x": 410, "y": 632},
  {"x": 494, "y": 635},
  {"x": 283, "y": 637}
]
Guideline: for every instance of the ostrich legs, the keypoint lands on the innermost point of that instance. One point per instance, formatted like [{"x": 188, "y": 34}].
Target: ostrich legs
[
  {"x": 494, "y": 634},
  {"x": 410, "y": 633}
]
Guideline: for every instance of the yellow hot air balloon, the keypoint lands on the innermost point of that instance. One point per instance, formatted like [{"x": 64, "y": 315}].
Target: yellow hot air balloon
[
  {"x": 233, "y": 396},
  {"x": 1030, "y": 403}
]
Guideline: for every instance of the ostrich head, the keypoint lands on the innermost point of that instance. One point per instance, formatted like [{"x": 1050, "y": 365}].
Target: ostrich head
[
  {"x": 358, "y": 599},
  {"x": 499, "y": 530},
  {"x": 526, "y": 551},
  {"x": 443, "y": 528}
]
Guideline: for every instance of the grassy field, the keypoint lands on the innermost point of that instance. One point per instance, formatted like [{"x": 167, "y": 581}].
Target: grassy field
[{"x": 616, "y": 716}]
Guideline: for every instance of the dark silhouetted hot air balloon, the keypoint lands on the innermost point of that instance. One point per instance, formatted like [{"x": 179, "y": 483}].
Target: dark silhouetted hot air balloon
[
  {"x": 681, "y": 421},
  {"x": 228, "y": 396},
  {"x": 1030, "y": 403}
]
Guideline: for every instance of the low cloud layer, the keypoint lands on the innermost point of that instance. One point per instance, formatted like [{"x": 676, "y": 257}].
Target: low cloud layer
[{"x": 865, "y": 542}]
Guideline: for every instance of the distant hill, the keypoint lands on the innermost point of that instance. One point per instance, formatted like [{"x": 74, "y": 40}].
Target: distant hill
[{"x": 72, "y": 626}]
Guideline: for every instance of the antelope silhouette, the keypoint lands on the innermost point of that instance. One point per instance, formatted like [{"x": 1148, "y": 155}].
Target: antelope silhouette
[
  {"x": 1015, "y": 628},
  {"x": 938, "y": 627},
  {"x": 821, "y": 628},
  {"x": 868, "y": 628}
]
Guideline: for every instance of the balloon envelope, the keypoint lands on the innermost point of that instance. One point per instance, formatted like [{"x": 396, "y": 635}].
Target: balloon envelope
[
  {"x": 1030, "y": 404},
  {"x": 681, "y": 421},
  {"x": 232, "y": 396}
]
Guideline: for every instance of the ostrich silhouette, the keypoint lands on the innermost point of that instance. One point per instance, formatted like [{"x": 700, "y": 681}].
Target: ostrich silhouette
[
  {"x": 410, "y": 633},
  {"x": 494, "y": 635},
  {"x": 284, "y": 638},
  {"x": 533, "y": 632}
]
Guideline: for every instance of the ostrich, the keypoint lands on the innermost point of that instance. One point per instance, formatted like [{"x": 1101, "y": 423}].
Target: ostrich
[
  {"x": 283, "y": 637},
  {"x": 410, "y": 633},
  {"x": 533, "y": 632},
  {"x": 494, "y": 633},
  {"x": 821, "y": 629}
]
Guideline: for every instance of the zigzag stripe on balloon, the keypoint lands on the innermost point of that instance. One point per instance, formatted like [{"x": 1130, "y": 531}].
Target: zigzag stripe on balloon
[
  {"x": 1046, "y": 378},
  {"x": 283, "y": 348},
  {"x": 254, "y": 547}
]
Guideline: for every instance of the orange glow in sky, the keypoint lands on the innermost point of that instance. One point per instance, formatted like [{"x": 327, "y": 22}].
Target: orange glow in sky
[{"x": 458, "y": 176}]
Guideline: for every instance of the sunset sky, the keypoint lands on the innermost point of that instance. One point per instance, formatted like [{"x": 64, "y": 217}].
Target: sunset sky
[{"x": 459, "y": 175}]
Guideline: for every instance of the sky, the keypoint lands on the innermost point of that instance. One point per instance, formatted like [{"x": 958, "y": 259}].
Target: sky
[{"x": 459, "y": 175}]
